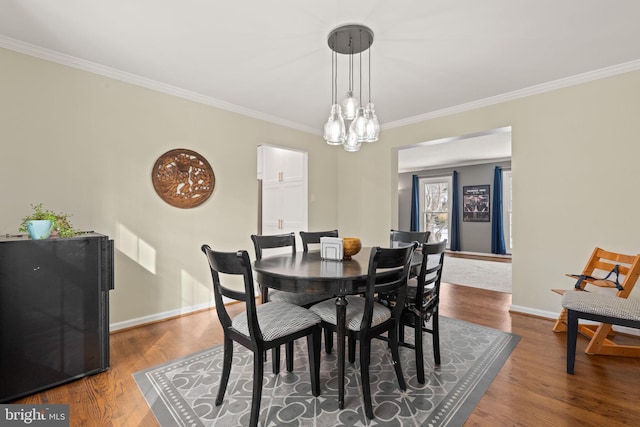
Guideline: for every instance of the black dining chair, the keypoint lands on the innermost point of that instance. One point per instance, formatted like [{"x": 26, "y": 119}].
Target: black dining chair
[
  {"x": 275, "y": 241},
  {"x": 260, "y": 327},
  {"x": 423, "y": 298},
  {"x": 313, "y": 237},
  {"x": 310, "y": 238},
  {"x": 402, "y": 238},
  {"x": 367, "y": 319},
  {"x": 398, "y": 238}
]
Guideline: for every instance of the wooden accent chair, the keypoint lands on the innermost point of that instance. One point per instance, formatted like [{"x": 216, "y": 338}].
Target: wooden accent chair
[
  {"x": 607, "y": 309},
  {"x": 313, "y": 237},
  {"x": 423, "y": 299},
  {"x": 260, "y": 327},
  {"x": 367, "y": 319},
  {"x": 604, "y": 269}
]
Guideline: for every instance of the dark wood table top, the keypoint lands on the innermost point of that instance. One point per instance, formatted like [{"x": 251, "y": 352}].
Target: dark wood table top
[{"x": 308, "y": 272}]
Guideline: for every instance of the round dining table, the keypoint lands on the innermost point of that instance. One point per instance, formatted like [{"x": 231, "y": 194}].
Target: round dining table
[{"x": 307, "y": 272}]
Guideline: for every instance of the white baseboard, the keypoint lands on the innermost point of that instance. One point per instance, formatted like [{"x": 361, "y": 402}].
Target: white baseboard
[
  {"x": 158, "y": 317},
  {"x": 533, "y": 311},
  {"x": 187, "y": 310}
]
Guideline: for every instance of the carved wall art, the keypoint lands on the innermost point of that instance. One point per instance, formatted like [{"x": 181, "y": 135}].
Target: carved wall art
[{"x": 183, "y": 178}]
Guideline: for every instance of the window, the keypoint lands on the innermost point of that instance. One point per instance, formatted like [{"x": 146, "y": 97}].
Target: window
[
  {"x": 506, "y": 209},
  {"x": 435, "y": 207}
]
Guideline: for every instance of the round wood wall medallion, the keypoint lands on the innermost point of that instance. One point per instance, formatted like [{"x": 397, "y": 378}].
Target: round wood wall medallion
[{"x": 183, "y": 178}]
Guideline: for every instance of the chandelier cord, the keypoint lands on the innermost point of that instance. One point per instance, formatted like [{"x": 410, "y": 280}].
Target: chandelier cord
[
  {"x": 351, "y": 65},
  {"x": 370, "y": 43},
  {"x": 360, "y": 55},
  {"x": 334, "y": 72}
]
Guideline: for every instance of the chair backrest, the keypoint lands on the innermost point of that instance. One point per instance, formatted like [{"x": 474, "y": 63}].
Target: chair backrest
[
  {"x": 430, "y": 274},
  {"x": 273, "y": 241},
  {"x": 399, "y": 238},
  {"x": 313, "y": 237},
  {"x": 233, "y": 264},
  {"x": 381, "y": 280},
  {"x": 602, "y": 262}
]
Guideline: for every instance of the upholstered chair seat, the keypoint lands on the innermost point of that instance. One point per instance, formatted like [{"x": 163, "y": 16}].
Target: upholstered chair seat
[
  {"x": 277, "y": 319},
  {"x": 355, "y": 311}
]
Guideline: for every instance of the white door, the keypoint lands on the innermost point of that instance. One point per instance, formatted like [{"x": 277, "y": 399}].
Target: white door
[{"x": 283, "y": 174}]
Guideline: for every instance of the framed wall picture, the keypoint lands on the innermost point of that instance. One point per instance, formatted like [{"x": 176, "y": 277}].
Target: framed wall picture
[{"x": 476, "y": 203}]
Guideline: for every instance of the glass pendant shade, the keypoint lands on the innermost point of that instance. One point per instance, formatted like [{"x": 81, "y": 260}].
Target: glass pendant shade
[
  {"x": 351, "y": 142},
  {"x": 373, "y": 126},
  {"x": 349, "y": 106},
  {"x": 359, "y": 125},
  {"x": 334, "y": 129}
]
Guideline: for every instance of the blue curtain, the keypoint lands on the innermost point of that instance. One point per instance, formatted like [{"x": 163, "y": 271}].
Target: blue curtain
[
  {"x": 415, "y": 204},
  {"x": 454, "y": 243},
  {"x": 497, "y": 229}
]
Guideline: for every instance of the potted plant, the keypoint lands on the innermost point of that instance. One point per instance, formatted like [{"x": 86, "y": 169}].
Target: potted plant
[{"x": 44, "y": 222}]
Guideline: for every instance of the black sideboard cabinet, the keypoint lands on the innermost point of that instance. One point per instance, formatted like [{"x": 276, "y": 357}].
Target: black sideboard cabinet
[{"x": 54, "y": 311}]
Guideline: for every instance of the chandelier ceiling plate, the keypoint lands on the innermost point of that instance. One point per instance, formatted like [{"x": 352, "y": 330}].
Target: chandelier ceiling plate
[{"x": 350, "y": 39}]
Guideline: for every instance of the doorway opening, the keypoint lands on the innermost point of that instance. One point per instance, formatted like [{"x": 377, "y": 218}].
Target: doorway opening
[{"x": 474, "y": 157}]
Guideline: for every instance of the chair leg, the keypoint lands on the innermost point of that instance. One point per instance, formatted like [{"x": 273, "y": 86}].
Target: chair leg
[
  {"x": 572, "y": 337},
  {"x": 275, "y": 353},
  {"x": 393, "y": 343},
  {"x": 365, "y": 360},
  {"x": 256, "y": 397},
  {"x": 328, "y": 340},
  {"x": 313, "y": 348},
  {"x": 352, "y": 349},
  {"x": 289, "y": 355},
  {"x": 264, "y": 294},
  {"x": 419, "y": 350},
  {"x": 435, "y": 328},
  {"x": 226, "y": 370}
]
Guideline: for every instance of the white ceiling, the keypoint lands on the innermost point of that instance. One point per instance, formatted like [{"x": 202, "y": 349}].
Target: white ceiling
[{"x": 270, "y": 59}]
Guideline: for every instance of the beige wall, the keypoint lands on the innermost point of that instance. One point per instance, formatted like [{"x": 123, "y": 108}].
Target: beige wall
[
  {"x": 85, "y": 144},
  {"x": 575, "y": 180}
]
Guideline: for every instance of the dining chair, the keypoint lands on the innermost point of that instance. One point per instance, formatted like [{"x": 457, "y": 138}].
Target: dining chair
[
  {"x": 313, "y": 237},
  {"x": 367, "y": 319},
  {"x": 260, "y": 327},
  {"x": 402, "y": 238},
  {"x": 422, "y": 304},
  {"x": 275, "y": 241},
  {"x": 604, "y": 308},
  {"x": 399, "y": 238}
]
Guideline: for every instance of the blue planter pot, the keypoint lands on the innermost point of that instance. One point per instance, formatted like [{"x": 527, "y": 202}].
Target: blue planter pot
[{"x": 39, "y": 229}]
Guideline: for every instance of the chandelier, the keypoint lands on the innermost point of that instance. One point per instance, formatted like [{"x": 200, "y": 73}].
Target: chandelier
[{"x": 350, "y": 124}]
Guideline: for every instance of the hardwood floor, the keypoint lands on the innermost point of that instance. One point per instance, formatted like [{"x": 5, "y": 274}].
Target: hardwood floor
[{"x": 532, "y": 389}]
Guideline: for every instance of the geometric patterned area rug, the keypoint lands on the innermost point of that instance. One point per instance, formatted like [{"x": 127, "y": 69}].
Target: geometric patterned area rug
[{"x": 182, "y": 392}]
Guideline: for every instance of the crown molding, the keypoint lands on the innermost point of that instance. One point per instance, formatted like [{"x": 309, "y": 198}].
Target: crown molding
[
  {"x": 521, "y": 93},
  {"x": 92, "y": 67}
]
